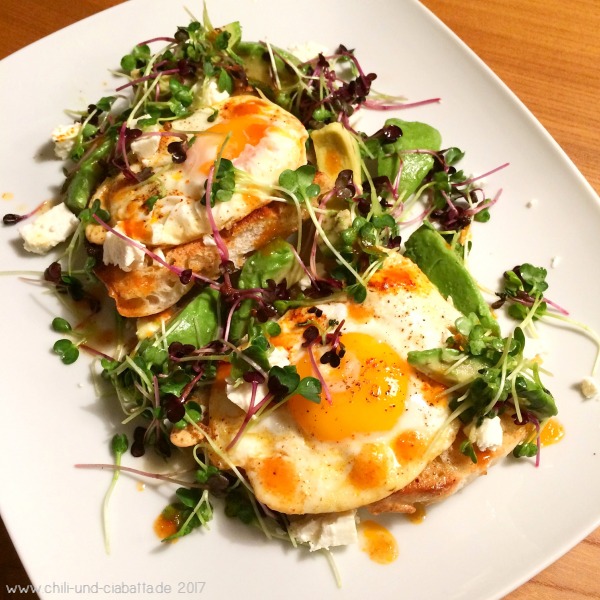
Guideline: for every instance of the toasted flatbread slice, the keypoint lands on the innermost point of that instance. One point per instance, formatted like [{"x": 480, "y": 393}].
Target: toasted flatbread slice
[
  {"x": 153, "y": 288},
  {"x": 449, "y": 472}
]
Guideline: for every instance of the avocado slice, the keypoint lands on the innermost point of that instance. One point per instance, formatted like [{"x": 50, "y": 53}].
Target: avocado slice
[
  {"x": 197, "y": 322},
  {"x": 444, "y": 268},
  {"x": 415, "y": 166},
  {"x": 436, "y": 363},
  {"x": 336, "y": 150}
]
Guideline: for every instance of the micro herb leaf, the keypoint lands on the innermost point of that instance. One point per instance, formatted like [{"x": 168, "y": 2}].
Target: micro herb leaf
[
  {"x": 272, "y": 328},
  {"x": 357, "y": 292},
  {"x": 119, "y": 445},
  {"x": 222, "y": 40},
  {"x": 188, "y": 497},
  {"x": 300, "y": 182},
  {"x": 483, "y": 216},
  {"x": 150, "y": 202},
  {"x": 224, "y": 82},
  {"x": 180, "y": 92},
  {"x": 385, "y": 220},
  {"x": 310, "y": 388},
  {"x": 453, "y": 155},
  {"x": 283, "y": 381},
  {"x": 105, "y": 103},
  {"x": 534, "y": 278},
  {"x": 204, "y": 474},
  {"x": 467, "y": 449},
  {"x": 61, "y": 325},
  {"x": 239, "y": 506},
  {"x": 86, "y": 216},
  {"x": 67, "y": 351},
  {"x": 525, "y": 450}
]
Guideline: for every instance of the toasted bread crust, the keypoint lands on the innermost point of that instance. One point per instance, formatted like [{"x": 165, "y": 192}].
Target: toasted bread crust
[
  {"x": 153, "y": 288},
  {"x": 449, "y": 472}
]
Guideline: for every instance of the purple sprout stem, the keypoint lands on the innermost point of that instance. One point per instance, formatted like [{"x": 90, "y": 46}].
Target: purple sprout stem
[
  {"x": 473, "y": 179},
  {"x": 318, "y": 373},
  {"x": 380, "y": 105},
  {"x": 221, "y": 247},
  {"x": 152, "y": 75},
  {"x": 139, "y": 472}
]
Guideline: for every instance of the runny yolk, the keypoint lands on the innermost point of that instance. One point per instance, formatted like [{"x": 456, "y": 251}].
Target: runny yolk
[
  {"x": 242, "y": 130},
  {"x": 378, "y": 542},
  {"x": 552, "y": 433},
  {"x": 368, "y": 390},
  {"x": 279, "y": 476}
]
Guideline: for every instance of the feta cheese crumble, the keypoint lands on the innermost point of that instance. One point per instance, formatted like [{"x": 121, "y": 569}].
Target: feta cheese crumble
[
  {"x": 241, "y": 394},
  {"x": 64, "y": 137},
  {"x": 325, "y": 531},
  {"x": 488, "y": 436},
  {"x": 119, "y": 252},
  {"x": 589, "y": 387},
  {"x": 211, "y": 94},
  {"x": 146, "y": 147},
  {"x": 49, "y": 229}
]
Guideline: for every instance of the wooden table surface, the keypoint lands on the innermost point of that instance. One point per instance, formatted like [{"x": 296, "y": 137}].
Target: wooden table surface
[{"x": 547, "y": 52}]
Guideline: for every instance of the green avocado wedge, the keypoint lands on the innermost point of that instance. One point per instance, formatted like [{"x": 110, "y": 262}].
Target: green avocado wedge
[
  {"x": 438, "y": 364},
  {"x": 444, "y": 268}
]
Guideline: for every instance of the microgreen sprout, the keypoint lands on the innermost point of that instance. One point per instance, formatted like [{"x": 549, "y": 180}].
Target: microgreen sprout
[{"x": 118, "y": 446}]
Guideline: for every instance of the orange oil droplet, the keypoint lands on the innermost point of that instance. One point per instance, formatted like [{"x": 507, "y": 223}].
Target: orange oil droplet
[
  {"x": 164, "y": 527},
  {"x": 419, "y": 515},
  {"x": 279, "y": 476},
  {"x": 7, "y": 196},
  {"x": 140, "y": 486},
  {"x": 378, "y": 542},
  {"x": 552, "y": 433}
]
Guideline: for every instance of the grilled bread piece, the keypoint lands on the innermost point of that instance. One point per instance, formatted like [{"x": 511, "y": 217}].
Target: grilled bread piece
[
  {"x": 153, "y": 288},
  {"x": 449, "y": 472}
]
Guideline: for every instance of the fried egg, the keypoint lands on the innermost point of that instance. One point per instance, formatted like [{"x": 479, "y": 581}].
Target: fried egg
[
  {"x": 383, "y": 423},
  {"x": 259, "y": 137}
]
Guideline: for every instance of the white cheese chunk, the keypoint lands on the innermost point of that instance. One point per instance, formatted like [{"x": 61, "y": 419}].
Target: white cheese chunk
[
  {"x": 325, "y": 531},
  {"x": 64, "y": 137},
  {"x": 488, "y": 436},
  {"x": 211, "y": 94},
  {"x": 241, "y": 393},
  {"x": 589, "y": 387},
  {"x": 119, "y": 252},
  {"x": 145, "y": 148},
  {"x": 49, "y": 229}
]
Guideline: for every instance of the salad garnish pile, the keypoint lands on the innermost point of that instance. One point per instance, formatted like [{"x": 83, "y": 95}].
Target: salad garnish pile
[{"x": 349, "y": 220}]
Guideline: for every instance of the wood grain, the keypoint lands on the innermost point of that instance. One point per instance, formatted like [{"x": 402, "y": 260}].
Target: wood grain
[{"x": 546, "y": 51}]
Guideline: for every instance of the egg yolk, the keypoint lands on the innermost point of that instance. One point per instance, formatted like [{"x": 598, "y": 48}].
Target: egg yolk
[
  {"x": 243, "y": 124},
  {"x": 368, "y": 390}
]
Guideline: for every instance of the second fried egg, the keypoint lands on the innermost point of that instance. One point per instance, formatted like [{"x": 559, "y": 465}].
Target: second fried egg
[{"x": 381, "y": 422}]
